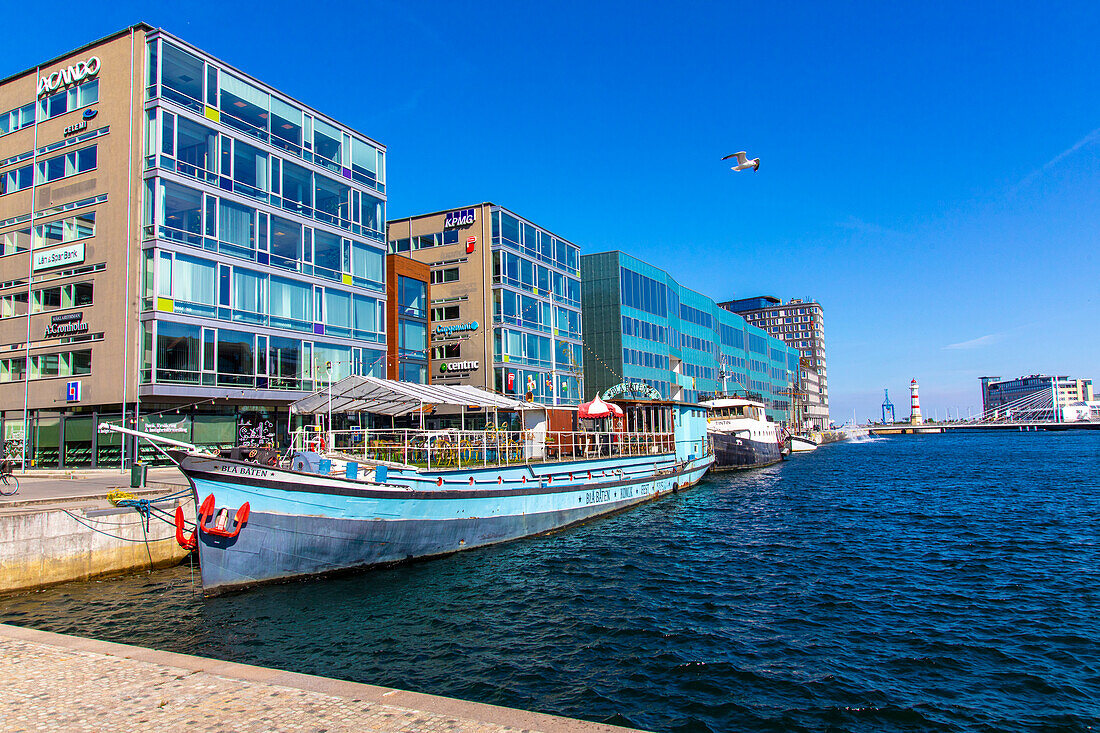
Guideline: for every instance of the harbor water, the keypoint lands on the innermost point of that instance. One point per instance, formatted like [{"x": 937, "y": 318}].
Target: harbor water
[{"x": 930, "y": 582}]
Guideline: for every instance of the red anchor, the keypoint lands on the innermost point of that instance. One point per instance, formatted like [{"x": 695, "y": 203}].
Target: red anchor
[
  {"x": 220, "y": 527},
  {"x": 187, "y": 543}
]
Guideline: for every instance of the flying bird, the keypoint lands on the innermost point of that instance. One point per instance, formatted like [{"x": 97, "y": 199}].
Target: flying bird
[{"x": 743, "y": 163}]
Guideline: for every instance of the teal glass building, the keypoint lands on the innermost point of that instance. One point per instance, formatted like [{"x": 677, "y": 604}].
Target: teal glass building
[{"x": 643, "y": 328}]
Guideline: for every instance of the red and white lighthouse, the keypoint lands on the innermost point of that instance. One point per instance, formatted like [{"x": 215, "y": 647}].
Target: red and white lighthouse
[{"x": 914, "y": 404}]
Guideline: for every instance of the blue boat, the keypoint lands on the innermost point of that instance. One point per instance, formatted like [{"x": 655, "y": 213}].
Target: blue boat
[{"x": 370, "y": 496}]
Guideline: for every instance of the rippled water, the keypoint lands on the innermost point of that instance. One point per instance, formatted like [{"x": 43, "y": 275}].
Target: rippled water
[{"x": 941, "y": 582}]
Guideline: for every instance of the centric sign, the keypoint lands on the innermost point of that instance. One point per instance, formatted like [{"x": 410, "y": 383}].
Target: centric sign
[{"x": 458, "y": 366}]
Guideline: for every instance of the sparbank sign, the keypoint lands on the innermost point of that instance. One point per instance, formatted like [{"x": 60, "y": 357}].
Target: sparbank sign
[{"x": 68, "y": 76}]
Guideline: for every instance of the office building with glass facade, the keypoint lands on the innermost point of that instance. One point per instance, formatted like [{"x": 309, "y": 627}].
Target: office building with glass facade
[
  {"x": 408, "y": 291},
  {"x": 649, "y": 336},
  {"x": 177, "y": 235},
  {"x": 505, "y": 301},
  {"x": 801, "y": 325}
]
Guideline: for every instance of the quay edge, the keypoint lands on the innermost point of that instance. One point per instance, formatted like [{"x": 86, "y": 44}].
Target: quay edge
[{"x": 99, "y": 679}]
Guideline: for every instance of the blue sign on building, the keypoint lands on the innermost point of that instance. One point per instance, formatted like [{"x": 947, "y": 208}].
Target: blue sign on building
[{"x": 462, "y": 218}]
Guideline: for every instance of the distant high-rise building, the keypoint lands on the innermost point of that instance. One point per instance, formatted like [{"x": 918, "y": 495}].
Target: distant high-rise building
[{"x": 801, "y": 325}]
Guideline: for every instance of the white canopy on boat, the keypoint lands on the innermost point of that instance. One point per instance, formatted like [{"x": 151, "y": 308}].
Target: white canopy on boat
[{"x": 390, "y": 397}]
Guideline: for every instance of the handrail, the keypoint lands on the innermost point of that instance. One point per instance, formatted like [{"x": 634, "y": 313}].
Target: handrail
[{"x": 438, "y": 449}]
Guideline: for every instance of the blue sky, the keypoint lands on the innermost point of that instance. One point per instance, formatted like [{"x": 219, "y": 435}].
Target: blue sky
[{"x": 929, "y": 174}]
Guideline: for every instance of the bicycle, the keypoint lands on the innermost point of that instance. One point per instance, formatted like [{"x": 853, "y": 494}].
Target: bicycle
[{"x": 7, "y": 480}]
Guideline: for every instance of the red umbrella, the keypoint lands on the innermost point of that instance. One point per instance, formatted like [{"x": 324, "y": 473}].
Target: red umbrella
[{"x": 594, "y": 409}]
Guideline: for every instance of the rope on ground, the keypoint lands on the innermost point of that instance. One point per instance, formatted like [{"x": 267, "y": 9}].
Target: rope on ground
[{"x": 145, "y": 507}]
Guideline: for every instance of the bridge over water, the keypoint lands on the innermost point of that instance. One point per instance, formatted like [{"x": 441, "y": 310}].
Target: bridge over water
[{"x": 1036, "y": 411}]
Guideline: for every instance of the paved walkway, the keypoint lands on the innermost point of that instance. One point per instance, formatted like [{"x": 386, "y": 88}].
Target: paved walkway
[
  {"x": 59, "y": 682},
  {"x": 88, "y": 487}
]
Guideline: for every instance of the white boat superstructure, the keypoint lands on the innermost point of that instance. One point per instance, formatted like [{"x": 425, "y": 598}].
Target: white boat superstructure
[{"x": 743, "y": 437}]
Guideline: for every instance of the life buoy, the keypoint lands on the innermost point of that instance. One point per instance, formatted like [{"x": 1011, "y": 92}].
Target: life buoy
[
  {"x": 439, "y": 481},
  {"x": 471, "y": 481}
]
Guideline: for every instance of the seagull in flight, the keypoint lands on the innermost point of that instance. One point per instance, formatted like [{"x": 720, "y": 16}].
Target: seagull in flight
[{"x": 743, "y": 162}]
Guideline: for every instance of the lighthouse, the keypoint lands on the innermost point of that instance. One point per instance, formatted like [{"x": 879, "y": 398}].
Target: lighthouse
[{"x": 914, "y": 413}]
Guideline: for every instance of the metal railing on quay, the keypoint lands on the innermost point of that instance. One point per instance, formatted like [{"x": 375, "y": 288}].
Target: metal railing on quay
[{"x": 442, "y": 449}]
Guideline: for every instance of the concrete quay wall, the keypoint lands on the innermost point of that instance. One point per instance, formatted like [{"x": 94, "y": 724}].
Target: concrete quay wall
[
  {"x": 61, "y": 682},
  {"x": 45, "y": 545}
]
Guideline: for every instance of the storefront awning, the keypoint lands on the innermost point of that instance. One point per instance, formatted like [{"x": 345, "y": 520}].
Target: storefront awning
[{"x": 389, "y": 397}]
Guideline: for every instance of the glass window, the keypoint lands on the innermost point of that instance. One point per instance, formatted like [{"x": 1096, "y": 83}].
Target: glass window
[
  {"x": 235, "y": 352},
  {"x": 366, "y": 315},
  {"x": 17, "y": 179},
  {"x": 181, "y": 76},
  {"x": 178, "y": 352},
  {"x": 80, "y": 362},
  {"x": 297, "y": 187},
  {"x": 332, "y": 362},
  {"x": 195, "y": 144},
  {"x": 372, "y": 214},
  {"x": 367, "y": 262},
  {"x": 412, "y": 336},
  {"x": 284, "y": 362},
  {"x": 416, "y": 373},
  {"x": 286, "y": 126},
  {"x": 337, "y": 312},
  {"x": 291, "y": 303},
  {"x": 248, "y": 294},
  {"x": 243, "y": 106},
  {"x": 82, "y": 294},
  {"x": 193, "y": 280},
  {"x": 509, "y": 228},
  {"x": 181, "y": 211},
  {"x": 249, "y": 165},
  {"x": 237, "y": 225},
  {"x": 286, "y": 243},
  {"x": 411, "y": 296},
  {"x": 331, "y": 199},
  {"x": 364, "y": 161},
  {"x": 327, "y": 254},
  {"x": 326, "y": 143}
]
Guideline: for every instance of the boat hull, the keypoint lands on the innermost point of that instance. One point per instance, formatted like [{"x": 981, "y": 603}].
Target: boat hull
[
  {"x": 303, "y": 525},
  {"x": 800, "y": 444},
  {"x": 732, "y": 451}
]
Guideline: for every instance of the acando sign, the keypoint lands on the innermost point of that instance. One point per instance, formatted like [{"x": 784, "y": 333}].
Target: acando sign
[{"x": 69, "y": 75}]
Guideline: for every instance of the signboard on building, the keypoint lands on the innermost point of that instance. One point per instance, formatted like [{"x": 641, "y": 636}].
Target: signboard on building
[
  {"x": 458, "y": 366},
  {"x": 255, "y": 431},
  {"x": 462, "y": 218},
  {"x": 445, "y": 330},
  {"x": 471, "y": 243},
  {"x": 68, "y": 76},
  {"x": 634, "y": 389},
  {"x": 172, "y": 426},
  {"x": 72, "y": 391},
  {"x": 65, "y": 324},
  {"x": 70, "y": 254},
  {"x": 76, "y": 127}
]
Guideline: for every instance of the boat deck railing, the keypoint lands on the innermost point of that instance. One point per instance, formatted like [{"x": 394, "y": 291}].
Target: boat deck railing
[{"x": 472, "y": 448}]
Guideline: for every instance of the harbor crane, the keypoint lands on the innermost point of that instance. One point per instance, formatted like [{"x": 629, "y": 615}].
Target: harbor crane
[{"x": 888, "y": 407}]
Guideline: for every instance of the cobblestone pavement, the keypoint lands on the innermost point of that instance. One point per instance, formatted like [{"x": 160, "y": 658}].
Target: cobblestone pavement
[{"x": 48, "y": 687}]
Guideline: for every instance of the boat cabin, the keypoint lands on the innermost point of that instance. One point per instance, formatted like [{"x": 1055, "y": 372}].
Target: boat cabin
[{"x": 732, "y": 408}]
